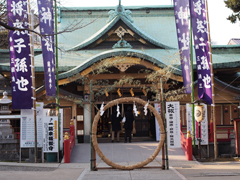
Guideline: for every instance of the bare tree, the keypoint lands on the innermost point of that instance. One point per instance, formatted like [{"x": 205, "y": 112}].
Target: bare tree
[{"x": 4, "y": 27}]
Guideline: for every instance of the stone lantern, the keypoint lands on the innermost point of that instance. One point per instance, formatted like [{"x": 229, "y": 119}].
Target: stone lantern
[
  {"x": 5, "y": 104},
  {"x": 6, "y": 131},
  {"x": 8, "y": 144}
]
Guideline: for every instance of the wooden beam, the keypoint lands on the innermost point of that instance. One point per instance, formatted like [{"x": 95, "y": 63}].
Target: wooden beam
[
  {"x": 126, "y": 87},
  {"x": 118, "y": 76},
  {"x": 110, "y": 61}
]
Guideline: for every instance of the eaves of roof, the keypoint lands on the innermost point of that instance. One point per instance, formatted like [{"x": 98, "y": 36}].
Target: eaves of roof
[
  {"x": 226, "y": 49},
  {"x": 4, "y": 53},
  {"x": 113, "y": 53},
  {"x": 61, "y": 91}
]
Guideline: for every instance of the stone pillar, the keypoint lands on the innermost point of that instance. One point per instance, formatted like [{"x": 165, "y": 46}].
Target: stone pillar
[{"x": 87, "y": 123}]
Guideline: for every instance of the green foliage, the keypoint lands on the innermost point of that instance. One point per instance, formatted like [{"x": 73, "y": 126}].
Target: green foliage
[{"x": 234, "y": 5}]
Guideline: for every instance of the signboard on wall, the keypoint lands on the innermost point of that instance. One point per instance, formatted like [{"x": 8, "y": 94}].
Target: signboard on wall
[
  {"x": 204, "y": 125},
  {"x": 27, "y": 135},
  {"x": 173, "y": 124}
]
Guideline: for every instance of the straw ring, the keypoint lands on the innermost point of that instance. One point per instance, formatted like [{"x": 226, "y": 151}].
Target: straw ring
[{"x": 143, "y": 163}]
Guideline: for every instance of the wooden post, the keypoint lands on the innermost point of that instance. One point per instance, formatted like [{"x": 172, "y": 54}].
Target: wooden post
[
  {"x": 164, "y": 121},
  {"x": 93, "y": 152},
  {"x": 213, "y": 95},
  {"x": 31, "y": 21}
]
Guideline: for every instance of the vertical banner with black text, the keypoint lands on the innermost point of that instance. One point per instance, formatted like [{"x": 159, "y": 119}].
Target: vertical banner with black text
[
  {"x": 50, "y": 134},
  {"x": 204, "y": 125},
  {"x": 173, "y": 124}
]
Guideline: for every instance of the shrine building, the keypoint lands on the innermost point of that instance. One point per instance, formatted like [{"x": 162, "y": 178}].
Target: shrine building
[{"x": 133, "y": 42}]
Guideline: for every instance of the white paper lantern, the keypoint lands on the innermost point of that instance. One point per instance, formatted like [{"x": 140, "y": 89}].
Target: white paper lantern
[{"x": 199, "y": 113}]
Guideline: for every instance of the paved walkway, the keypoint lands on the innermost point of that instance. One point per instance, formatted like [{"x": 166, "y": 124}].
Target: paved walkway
[{"x": 122, "y": 153}]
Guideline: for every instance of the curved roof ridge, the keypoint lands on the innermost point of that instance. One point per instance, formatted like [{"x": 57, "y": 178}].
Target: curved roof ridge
[
  {"x": 95, "y": 36},
  {"x": 109, "y": 25},
  {"x": 113, "y": 53},
  {"x": 144, "y": 35}
]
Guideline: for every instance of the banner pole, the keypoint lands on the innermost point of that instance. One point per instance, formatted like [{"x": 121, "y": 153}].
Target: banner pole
[
  {"x": 192, "y": 83},
  {"x": 56, "y": 56},
  {"x": 213, "y": 95},
  {"x": 31, "y": 22},
  {"x": 164, "y": 122}
]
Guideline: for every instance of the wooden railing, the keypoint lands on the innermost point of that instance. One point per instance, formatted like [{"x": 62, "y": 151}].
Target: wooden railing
[{"x": 223, "y": 133}]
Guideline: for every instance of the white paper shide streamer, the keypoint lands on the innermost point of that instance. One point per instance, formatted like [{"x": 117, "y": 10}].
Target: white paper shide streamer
[
  {"x": 135, "y": 109},
  {"x": 118, "y": 110},
  {"x": 145, "y": 108},
  {"x": 101, "y": 109}
]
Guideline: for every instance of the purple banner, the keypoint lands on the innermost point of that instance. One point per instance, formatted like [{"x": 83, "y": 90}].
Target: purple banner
[
  {"x": 200, "y": 36},
  {"x": 46, "y": 23},
  {"x": 20, "y": 60},
  {"x": 182, "y": 25}
]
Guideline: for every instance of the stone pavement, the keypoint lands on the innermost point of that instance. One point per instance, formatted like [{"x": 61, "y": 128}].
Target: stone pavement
[{"x": 122, "y": 153}]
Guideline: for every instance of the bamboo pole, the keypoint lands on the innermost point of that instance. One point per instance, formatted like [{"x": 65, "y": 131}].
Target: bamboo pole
[
  {"x": 213, "y": 95},
  {"x": 31, "y": 22},
  {"x": 56, "y": 55},
  {"x": 192, "y": 83},
  {"x": 164, "y": 122}
]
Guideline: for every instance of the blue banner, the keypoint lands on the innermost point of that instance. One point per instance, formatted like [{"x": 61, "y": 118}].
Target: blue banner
[
  {"x": 182, "y": 25},
  {"x": 20, "y": 60},
  {"x": 201, "y": 44},
  {"x": 46, "y": 23}
]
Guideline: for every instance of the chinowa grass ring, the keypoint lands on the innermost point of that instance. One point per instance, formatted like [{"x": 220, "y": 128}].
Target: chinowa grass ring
[{"x": 138, "y": 165}]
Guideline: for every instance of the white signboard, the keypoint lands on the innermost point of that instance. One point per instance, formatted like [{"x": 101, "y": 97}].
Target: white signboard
[
  {"x": 45, "y": 111},
  {"x": 158, "y": 132},
  {"x": 27, "y": 135},
  {"x": 173, "y": 124},
  {"x": 50, "y": 134},
  {"x": 204, "y": 125}
]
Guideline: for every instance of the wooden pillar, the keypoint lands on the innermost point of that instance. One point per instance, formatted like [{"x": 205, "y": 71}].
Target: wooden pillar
[{"x": 213, "y": 95}]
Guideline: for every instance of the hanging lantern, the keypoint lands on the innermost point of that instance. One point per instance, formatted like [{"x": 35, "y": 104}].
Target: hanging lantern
[{"x": 199, "y": 113}]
